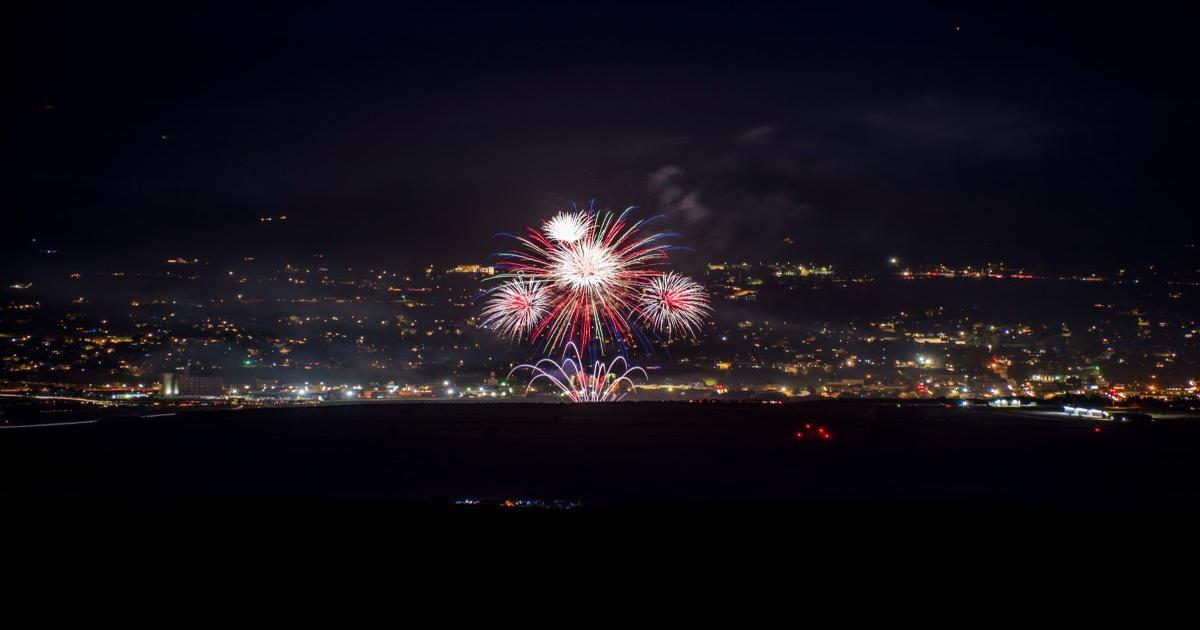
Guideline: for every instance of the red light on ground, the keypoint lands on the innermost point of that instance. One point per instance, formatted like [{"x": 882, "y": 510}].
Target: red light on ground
[
  {"x": 819, "y": 432},
  {"x": 1095, "y": 429}
]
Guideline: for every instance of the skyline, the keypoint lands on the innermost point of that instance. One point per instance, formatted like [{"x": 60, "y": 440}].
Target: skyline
[{"x": 799, "y": 328}]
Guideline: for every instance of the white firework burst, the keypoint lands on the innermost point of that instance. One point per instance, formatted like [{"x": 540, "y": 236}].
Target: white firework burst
[
  {"x": 566, "y": 227},
  {"x": 515, "y": 307},
  {"x": 585, "y": 265},
  {"x": 674, "y": 303}
]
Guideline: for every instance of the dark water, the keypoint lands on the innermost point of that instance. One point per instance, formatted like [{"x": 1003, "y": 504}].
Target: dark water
[{"x": 640, "y": 455}]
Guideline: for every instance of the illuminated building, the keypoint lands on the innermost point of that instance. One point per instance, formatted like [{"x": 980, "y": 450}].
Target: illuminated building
[
  {"x": 478, "y": 269},
  {"x": 176, "y": 384}
]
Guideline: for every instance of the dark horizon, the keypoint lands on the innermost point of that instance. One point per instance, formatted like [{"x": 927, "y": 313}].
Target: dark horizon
[{"x": 946, "y": 134}]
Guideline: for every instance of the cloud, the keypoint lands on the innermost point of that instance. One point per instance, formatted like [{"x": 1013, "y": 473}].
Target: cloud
[
  {"x": 847, "y": 179},
  {"x": 748, "y": 190},
  {"x": 667, "y": 183},
  {"x": 958, "y": 126},
  {"x": 756, "y": 135}
]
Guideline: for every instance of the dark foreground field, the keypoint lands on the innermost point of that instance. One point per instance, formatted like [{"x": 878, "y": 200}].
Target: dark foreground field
[{"x": 645, "y": 458}]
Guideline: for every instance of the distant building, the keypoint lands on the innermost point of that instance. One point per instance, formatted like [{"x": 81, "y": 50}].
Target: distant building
[
  {"x": 184, "y": 384},
  {"x": 478, "y": 269}
]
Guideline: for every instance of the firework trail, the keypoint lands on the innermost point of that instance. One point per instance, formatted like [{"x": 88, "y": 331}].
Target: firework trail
[{"x": 601, "y": 384}]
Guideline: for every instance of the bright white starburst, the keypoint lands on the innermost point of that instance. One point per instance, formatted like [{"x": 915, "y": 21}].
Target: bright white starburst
[
  {"x": 674, "y": 303},
  {"x": 585, "y": 266},
  {"x": 566, "y": 227},
  {"x": 516, "y": 306}
]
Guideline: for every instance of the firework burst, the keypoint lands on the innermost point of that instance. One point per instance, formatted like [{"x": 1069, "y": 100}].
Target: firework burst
[
  {"x": 588, "y": 280},
  {"x": 604, "y": 382},
  {"x": 674, "y": 303},
  {"x": 516, "y": 307},
  {"x": 593, "y": 267},
  {"x": 566, "y": 227}
]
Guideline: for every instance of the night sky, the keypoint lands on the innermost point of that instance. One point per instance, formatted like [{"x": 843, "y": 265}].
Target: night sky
[{"x": 1036, "y": 134}]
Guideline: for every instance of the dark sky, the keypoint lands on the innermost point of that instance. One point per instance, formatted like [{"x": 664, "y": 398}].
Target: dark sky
[{"x": 1035, "y": 133}]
